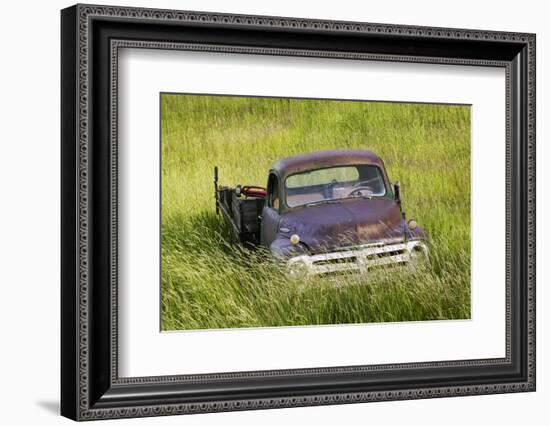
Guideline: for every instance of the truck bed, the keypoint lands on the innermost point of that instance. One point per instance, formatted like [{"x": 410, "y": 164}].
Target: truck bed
[{"x": 241, "y": 213}]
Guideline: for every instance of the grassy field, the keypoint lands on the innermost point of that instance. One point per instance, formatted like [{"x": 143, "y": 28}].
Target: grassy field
[{"x": 209, "y": 283}]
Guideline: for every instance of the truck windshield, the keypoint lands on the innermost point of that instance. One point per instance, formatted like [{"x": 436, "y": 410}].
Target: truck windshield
[{"x": 333, "y": 184}]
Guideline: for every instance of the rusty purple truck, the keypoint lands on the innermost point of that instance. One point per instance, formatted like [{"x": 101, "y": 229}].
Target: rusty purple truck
[{"x": 325, "y": 212}]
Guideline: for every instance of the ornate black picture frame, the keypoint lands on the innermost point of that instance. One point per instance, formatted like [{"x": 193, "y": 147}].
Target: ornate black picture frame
[{"x": 91, "y": 36}]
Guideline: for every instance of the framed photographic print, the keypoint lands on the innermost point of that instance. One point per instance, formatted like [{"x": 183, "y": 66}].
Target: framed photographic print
[{"x": 263, "y": 212}]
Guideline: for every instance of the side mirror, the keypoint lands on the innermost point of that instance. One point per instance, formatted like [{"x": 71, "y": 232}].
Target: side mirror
[{"x": 397, "y": 192}]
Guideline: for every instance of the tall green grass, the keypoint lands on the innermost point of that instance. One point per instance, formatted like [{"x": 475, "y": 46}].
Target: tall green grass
[{"x": 209, "y": 283}]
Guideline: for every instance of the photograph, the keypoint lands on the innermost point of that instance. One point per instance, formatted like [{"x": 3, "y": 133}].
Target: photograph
[
  {"x": 274, "y": 208},
  {"x": 279, "y": 212}
]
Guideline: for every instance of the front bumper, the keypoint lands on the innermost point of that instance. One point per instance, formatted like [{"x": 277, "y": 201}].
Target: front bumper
[{"x": 359, "y": 259}]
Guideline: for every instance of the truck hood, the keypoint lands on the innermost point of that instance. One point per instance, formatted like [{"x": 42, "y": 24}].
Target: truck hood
[{"x": 347, "y": 223}]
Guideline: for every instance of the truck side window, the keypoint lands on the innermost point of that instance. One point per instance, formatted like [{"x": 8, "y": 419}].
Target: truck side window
[{"x": 273, "y": 191}]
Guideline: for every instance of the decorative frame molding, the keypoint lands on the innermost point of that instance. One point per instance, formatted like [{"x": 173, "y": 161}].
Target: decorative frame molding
[{"x": 91, "y": 388}]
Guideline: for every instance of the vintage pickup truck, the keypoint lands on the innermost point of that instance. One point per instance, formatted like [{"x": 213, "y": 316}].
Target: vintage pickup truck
[{"x": 324, "y": 212}]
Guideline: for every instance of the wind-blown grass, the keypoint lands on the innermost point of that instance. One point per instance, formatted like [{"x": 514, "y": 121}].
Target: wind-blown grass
[{"x": 209, "y": 283}]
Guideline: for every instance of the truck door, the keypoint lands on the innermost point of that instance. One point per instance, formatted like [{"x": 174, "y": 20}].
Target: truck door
[{"x": 270, "y": 212}]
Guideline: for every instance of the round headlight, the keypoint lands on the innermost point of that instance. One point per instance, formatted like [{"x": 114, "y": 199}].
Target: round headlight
[
  {"x": 298, "y": 269},
  {"x": 294, "y": 239},
  {"x": 418, "y": 252},
  {"x": 412, "y": 224}
]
